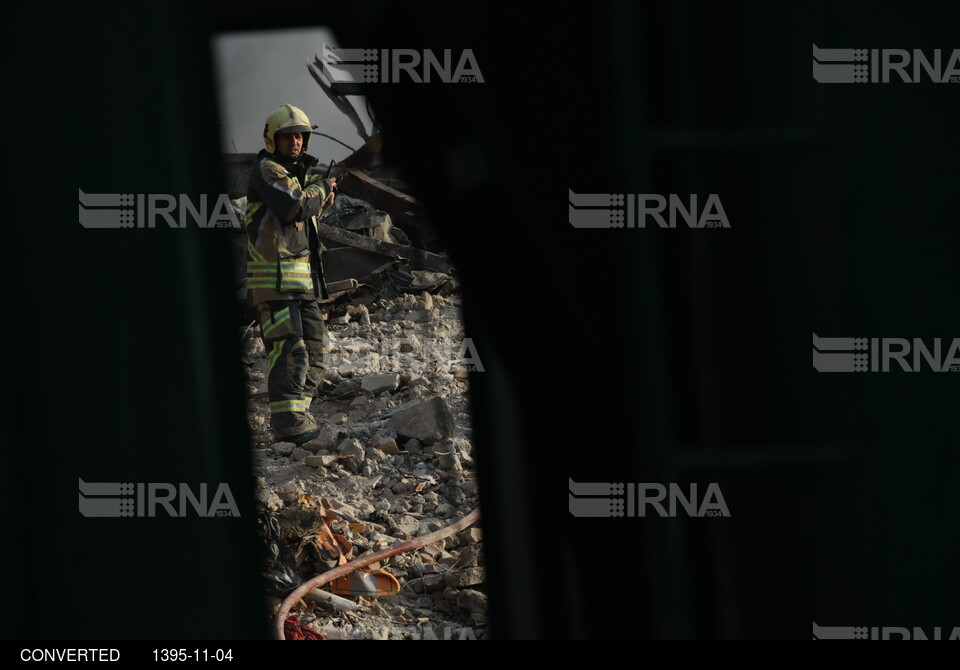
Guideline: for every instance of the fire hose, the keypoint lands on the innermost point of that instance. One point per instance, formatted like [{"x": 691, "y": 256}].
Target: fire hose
[{"x": 364, "y": 561}]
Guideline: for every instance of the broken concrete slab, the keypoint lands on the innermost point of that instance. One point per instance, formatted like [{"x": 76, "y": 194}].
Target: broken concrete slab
[
  {"x": 343, "y": 285},
  {"x": 352, "y": 447},
  {"x": 376, "y": 384},
  {"x": 321, "y": 460},
  {"x": 347, "y": 387},
  {"x": 374, "y": 454},
  {"x": 407, "y": 525},
  {"x": 428, "y": 421},
  {"x": 403, "y": 207},
  {"x": 417, "y": 257},
  {"x": 465, "y": 577}
]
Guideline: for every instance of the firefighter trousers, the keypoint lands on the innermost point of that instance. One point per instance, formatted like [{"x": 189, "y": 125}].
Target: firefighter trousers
[{"x": 298, "y": 351}]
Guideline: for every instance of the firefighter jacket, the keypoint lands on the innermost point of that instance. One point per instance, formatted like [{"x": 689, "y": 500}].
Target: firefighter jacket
[{"x": 283, "y": 206}]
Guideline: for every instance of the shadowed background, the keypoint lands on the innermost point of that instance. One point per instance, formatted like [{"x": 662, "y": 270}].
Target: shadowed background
[{"x": 611, "y": 355}]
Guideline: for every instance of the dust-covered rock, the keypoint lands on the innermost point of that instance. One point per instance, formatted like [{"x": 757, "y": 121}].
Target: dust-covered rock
[
  {"x": 283, "y": 448},
  {"x": 449, "y": 461},
  {"x": 465, "y": 577},
  {"x": 407, "y": 525},
  {"x": 351, "y": 447},
  {"x": 268, "y": 500},
  {"x": 376, "y": 384},
  {"x": 386, "y": 444},
  {"x": 426, "y": 420},
  {"x": 321, "y": 460},
  {"x": 472, "y": 601},
  {"x": 300, "y": 454}
]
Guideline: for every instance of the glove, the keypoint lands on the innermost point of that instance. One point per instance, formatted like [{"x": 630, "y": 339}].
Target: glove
[{"x": 318, "y": 187}]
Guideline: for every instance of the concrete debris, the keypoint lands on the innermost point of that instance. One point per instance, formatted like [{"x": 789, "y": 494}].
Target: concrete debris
[
  {"x": 449, "y": 461},
  {"x": 289, "y": 491},
  {"x": 426, "y": 420},
  {"x": 471, "y": 555},
  {"x": 422, "y": 259},
  {"x": 321, "y": 460},
  {"x": 347, "y": 387},
  {"x": 359, "y": 313},
  {"x": 377, "y": 384},
  {"x": 466, "y": 577},
  {"x": 409, "y": 344},
  {"x": 472, "y": 601},
  {"x": 327, "y": 439},
  {"x": 300, "y": 454},
  {"x": 444, "y": 510},
  {"x": 386, "y": 444},
  {"x": 283, "y": 448},
  {"x": 351, "y": 447},
  {"x": 269, "y": 500},
  {"x": 407, "y": 526},
  {"x": 393, "y": 460},
  {"x": 433, "y": 583},
  {"x": 420, "y": 316}
]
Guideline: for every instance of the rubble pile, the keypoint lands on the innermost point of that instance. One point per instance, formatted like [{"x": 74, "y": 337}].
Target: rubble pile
[{"x": 393, "y": 461}]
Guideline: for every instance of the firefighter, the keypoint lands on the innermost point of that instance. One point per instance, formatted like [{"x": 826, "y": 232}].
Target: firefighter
[{"x": 284, "y": 270}]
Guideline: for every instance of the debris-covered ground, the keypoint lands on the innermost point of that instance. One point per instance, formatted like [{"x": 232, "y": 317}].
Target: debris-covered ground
[{"x": 393, "y": 461}]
